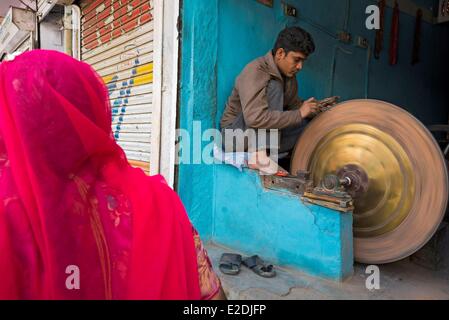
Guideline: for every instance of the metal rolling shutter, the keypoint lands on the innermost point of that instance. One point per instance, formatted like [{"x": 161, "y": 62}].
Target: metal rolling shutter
[
  {"x": 27, "y": 45},
  {"x": 117, "y": 40}
]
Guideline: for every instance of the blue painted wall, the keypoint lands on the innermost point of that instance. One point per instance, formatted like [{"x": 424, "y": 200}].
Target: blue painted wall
[
  {"x": 277, "y": 226},
  {"x": 220, "y": 36},
  {"x": 198, "y": 103},
  {"x": 248, "y": 30}
]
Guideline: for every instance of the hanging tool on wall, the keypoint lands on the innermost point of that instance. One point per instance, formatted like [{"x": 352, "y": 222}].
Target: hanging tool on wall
[
  {"x": 394, "y": 37},
  {"x": 417, "y": 38},
  {"x": 380, "y": 33}
]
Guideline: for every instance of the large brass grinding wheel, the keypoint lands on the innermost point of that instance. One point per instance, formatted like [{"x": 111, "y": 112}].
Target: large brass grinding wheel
[{"x": 405, "y": 187}]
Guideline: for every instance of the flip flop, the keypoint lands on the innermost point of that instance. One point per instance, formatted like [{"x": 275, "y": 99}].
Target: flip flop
[
  {"x": 259, "y": 267},
  {"x": 230, "y": 263}
]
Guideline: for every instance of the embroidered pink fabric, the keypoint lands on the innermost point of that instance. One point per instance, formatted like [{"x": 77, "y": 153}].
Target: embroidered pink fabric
[{"x": 71, "y": 205}]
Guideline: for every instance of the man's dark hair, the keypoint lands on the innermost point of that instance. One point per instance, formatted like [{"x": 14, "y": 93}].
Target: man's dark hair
[{"x": 295, "y": 39}]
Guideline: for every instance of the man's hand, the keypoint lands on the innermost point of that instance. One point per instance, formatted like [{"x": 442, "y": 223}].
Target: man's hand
[{"x": 309, "y": 108}]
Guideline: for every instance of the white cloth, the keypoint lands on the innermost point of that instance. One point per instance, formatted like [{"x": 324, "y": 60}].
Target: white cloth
[{"x": 236, "y": 159}]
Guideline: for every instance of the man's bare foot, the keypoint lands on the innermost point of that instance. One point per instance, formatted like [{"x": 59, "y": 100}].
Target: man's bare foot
[{"x": 259, "y": 160}]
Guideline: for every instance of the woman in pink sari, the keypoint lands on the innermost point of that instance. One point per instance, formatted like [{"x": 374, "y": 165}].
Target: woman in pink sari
[{"x": 72, "y": 205}]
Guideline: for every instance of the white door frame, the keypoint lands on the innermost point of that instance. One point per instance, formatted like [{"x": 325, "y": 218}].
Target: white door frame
[{"x": 165, "y": 88}]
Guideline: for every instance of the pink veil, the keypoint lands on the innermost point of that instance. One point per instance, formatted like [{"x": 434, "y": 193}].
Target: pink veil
[{"x": 70, "y": 198}]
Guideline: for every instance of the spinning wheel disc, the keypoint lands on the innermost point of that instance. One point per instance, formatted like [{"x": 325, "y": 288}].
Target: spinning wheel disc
[{"x": 404, "y": 199}]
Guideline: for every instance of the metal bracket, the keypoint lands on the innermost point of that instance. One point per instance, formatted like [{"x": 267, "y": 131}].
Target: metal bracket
[
  {"x": 333, "y": 202},
  {"x": 302, "y": 185},
  {"x": 296, "y": 184}
]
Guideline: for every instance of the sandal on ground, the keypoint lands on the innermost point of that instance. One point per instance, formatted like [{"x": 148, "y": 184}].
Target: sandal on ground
[
  {"x": 230, "y": 263},
  {"x": 259, "y": 267}
]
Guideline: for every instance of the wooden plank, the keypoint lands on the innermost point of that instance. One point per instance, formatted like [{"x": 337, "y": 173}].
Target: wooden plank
[{"x": 329, "y": 205}]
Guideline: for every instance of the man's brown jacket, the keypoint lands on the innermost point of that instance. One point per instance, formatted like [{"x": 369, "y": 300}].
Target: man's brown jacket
[{"x": 249, "y": 95}]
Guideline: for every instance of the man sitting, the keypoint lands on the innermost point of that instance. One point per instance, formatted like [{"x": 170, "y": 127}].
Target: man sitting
[{"x": 265, "y": 97}]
